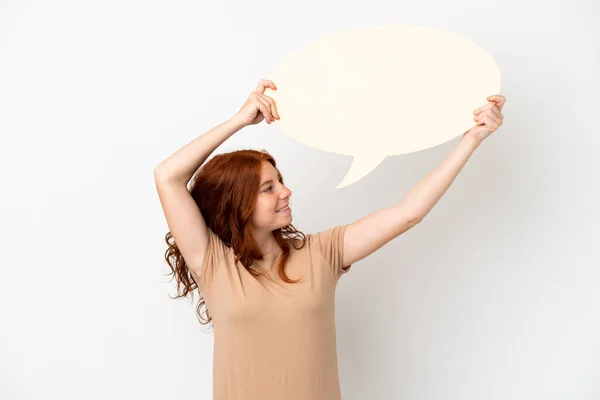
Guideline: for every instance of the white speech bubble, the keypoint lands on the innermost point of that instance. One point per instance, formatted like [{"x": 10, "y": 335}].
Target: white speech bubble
[{"x": 385, "y": 90}]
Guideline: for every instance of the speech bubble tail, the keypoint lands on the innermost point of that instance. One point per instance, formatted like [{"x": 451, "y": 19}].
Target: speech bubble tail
[{"x": 361, "y": 166}]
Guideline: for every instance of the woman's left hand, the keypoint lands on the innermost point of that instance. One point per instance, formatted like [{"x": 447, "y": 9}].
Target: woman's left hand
[{"x": 488, "y": 118}]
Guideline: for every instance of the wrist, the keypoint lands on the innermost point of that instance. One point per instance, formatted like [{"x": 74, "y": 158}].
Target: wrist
[
  {"x": 236, "y": 123},
  {"x": 472, "y": 140}
]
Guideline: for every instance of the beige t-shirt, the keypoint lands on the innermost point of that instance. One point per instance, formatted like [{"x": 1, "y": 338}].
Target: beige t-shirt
[{"x": 275, "y": 340}]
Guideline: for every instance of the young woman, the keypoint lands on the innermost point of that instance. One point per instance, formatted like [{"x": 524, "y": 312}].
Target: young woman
[{"x": 269, "y": 288}]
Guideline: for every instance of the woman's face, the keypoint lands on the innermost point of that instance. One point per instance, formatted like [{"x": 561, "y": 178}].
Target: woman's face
[{"x": 272, "y": 195}]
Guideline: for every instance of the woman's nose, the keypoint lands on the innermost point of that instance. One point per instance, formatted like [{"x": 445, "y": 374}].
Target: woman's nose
[{"x": 287, "y": 192}]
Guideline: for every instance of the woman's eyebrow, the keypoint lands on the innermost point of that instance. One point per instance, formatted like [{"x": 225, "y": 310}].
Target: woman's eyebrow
[{"x": 269, "y": 181}]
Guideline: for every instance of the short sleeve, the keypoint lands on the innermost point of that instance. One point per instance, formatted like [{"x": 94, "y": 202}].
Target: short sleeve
[
  {"x": 330, "y": 243},
  {"x": 214, "y": 256}
]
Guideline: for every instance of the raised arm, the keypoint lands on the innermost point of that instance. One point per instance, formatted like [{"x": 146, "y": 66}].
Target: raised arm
[
  {"x": 181, "y": 166},
  {"x": 368, "y": 234},
  {"x": 182, "y": 214},
  {"x": 171, "y": 177}
]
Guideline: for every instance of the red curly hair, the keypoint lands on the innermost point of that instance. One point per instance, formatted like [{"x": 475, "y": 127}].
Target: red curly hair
[{"x": 235, "y": 176}]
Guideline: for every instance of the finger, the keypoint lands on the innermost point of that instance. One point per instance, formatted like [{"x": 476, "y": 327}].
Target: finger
[
  {"x": 482, "y": 108},
  {"x": 492, "y": 111},
  {"x": 488, "y": 121},
  {"x": 498, "y": 99},
  {"x": 490, "y": 105},
  {"x": 265, "y": 108},
  {"x": 272, "y": 103},
  {"x": 497, "y": 115},
  {"x": 263, "y": 84},
  {"x": 481, "y": 119}
]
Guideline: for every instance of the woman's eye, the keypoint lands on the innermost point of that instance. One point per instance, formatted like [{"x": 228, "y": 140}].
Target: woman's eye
[{"x": 269, "y": 188}]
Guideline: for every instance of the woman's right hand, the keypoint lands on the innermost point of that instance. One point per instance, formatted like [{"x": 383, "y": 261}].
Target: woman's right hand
[{"x": 258, "y": 106}]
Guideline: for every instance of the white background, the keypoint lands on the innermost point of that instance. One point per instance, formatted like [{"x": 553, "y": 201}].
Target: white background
[{"x": 493, "y": 296}]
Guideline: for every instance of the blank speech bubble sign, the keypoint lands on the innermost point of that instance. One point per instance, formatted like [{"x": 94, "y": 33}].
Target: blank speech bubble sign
[{"x": 385, "y": 90}]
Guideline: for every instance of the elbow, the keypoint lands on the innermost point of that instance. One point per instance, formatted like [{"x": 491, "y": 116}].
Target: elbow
[
  {"x": 410, "y": 215},
  {"x": 158, "y": 174},
  {"x": 414, "y": 220},
  {"x": 161, "y": 177}
]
